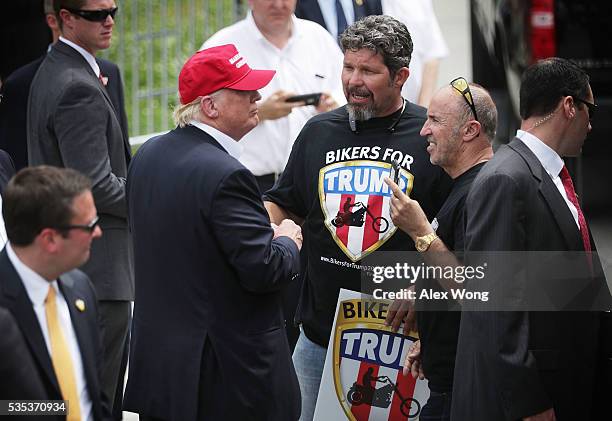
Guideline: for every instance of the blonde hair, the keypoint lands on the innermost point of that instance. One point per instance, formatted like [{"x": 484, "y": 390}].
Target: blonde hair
[{"x": 183, "y": 114}]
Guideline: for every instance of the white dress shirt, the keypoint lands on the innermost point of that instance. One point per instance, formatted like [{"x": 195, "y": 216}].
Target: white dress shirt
[
  {"x": 3, "y": 238},
  {"x": 37, "y": 289},
  {"x": 310, "y": 62},
  {"x": 328, "y": 10},
  {"x": 230, "y": 145},
  {"x": 428, "y": 43},
  {"x": 86, "y": 55},
  {"x": 552, "y": 163}
]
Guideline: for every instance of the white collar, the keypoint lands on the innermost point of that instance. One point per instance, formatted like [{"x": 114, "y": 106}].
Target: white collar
[
  {"x": 230, "y": 145},
  {"x": 86, "y": 55},
  {"x": 550, "y": 160},
  {"x": 250, "y": 21},
  {"x": 36, "y": 286}
]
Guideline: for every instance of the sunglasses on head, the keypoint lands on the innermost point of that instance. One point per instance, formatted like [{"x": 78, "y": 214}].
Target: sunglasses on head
[
  {"x": 461, "y": 85},
  {"x": 94, "y": 15},
  {"x": 590, "y": 106}
]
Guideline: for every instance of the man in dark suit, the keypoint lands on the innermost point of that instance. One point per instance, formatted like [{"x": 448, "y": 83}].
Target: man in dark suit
[
  {"x": 529, "y": 364},
  {"x": 15, "y": 90},
  {"x": 331, "y": 20},
  {"x": 50, "y": 222},
  {"x": 73, "y": 123},
  {"x": 208, "y": 339}
]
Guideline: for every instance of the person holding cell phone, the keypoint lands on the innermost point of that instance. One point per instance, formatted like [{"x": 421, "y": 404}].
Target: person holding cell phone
[{"x": 308, "y": 63}]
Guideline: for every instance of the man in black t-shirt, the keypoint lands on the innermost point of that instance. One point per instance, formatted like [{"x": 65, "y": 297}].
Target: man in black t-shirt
[
  {"x": 460, "y": 126},
  {"x": 343, "y": 157}
]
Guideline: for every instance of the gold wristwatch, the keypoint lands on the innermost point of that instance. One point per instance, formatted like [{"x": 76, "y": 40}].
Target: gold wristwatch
[{"x": 422, "y": 243}]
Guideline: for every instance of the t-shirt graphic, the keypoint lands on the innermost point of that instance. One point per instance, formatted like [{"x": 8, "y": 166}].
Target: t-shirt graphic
[{"x": 355, "y": 202}]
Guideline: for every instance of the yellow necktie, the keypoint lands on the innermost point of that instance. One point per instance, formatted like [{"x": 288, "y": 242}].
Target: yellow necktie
[{"x": 61, "y": 359}]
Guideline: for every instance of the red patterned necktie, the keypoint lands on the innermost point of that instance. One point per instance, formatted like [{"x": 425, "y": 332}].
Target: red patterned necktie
[{"x": 571, "y": 195}]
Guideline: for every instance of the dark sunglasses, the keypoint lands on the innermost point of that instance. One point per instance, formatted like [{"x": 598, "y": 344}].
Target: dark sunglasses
[
  {"x": 461, "y": 85},
  {"x": 590, "y": 106},
  {"x": 94, "y": 15},
  {"x": 90, "y": 228}
]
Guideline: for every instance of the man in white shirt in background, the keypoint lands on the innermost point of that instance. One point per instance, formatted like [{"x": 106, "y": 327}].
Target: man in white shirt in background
[
  {"x": 307, "y": 60},
  {"x": 51, "y": 221}
]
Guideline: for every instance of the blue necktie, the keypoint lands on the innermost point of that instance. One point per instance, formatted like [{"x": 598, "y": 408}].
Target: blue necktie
[{"x": 341, "y": 19}]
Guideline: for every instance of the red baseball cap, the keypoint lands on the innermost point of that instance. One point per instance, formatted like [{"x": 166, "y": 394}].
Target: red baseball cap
[{"x": 216, "y": 68}]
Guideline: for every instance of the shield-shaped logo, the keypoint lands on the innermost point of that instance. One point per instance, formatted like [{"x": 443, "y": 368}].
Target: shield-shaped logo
[
  {"x": 368, "y": 361},
  {"x": 355, "y": 201}
]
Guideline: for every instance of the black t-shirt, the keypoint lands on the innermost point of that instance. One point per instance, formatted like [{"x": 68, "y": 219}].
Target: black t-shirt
[
  {"x": 334, "y": 180},
  {"x": 439, "y": 330}
]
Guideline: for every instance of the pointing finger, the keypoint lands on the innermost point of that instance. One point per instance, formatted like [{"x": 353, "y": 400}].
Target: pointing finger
[{"x": 394, "y": 187}]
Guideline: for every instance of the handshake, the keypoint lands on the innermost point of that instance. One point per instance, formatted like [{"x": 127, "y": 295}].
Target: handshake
[{"x": 288, "y": 228}]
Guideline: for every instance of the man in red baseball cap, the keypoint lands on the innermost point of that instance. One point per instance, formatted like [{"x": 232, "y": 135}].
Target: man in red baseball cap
[
  {"x": 208, "y": 338},
  {"x": 221, "y": 74}
]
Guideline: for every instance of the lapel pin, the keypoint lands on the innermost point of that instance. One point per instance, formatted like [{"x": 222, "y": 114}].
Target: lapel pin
[{"x": 80, "y": 305}]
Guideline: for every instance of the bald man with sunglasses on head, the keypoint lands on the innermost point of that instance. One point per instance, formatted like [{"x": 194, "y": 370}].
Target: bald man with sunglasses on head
[
  {"x": 460, "y": 125},
  {"x": 72, "y": 123}
]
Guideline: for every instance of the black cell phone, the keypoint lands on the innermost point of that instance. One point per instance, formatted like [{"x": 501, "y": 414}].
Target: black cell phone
[
  {"x": 309, "y": 99},
  {"x": 395, "y": 171}
]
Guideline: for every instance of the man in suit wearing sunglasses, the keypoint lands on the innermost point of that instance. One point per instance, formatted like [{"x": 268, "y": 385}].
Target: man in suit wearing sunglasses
[
  {"x": 72, "y": 123},
  {"x": 15, "y": 90}
]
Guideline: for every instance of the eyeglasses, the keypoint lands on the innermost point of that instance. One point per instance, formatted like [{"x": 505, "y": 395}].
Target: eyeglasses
[
  {"x": 462, "y": 86},
  {"x": 94, "y": 15},
  {"x": 590, "y": 106},
  {"x": 90, "y": 228}
]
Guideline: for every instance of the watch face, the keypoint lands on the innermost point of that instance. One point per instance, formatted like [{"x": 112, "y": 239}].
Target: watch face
[{"x": 421, "y": 245}]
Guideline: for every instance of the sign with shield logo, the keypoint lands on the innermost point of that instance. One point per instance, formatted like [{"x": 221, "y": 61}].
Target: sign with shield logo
[
  {"x": 355, "y": 203},
  {"x": 362, "y": 378}
]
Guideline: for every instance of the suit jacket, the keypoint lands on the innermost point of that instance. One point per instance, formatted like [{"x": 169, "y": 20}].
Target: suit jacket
[
  {"x": 310, "y": 10},
  {"x": 18, "y": 376},
  {"x": 73, "y": 123},
  {"x": 74, "y": 285},
  {"x": 7, "y": 169},
  {"x": 14, "y": 106},
  {"x": 208, "y": 338},
  {"x": 513, "y": 364}
]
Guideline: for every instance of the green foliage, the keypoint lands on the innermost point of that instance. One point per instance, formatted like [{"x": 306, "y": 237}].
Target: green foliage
[{"x": 151, "y": 41}]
